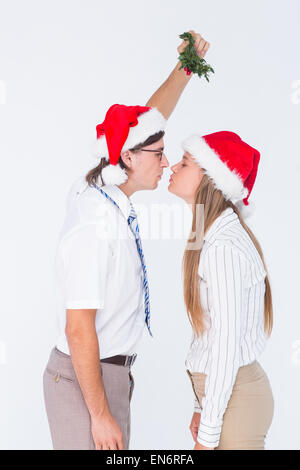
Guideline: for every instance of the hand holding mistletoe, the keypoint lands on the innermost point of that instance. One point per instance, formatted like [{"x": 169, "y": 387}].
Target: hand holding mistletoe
[{"x": 192, "y": 52}]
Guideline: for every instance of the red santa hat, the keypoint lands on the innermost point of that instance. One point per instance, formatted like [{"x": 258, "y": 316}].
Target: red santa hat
[
  {"x": 229, "y": 162},
  {"x": 123, "y": 128}
]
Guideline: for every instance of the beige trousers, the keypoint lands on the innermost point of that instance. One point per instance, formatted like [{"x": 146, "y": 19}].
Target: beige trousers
[
  {"x": 249, "y": 411},
  {"x": 68, "y": 416}
]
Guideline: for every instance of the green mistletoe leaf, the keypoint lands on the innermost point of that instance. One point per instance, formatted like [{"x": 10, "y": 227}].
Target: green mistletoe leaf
[{"x": 190, "y": 59}]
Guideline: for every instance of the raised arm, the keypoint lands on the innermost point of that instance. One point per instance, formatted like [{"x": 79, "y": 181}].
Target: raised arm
[{"x": 168, "y": 94}]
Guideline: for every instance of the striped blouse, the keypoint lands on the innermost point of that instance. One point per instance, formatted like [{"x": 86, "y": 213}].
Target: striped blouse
[{"x": 232, "y": 287}]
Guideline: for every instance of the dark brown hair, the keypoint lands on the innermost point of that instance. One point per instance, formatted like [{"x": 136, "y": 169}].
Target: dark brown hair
[{"x": 94, "y": 173}]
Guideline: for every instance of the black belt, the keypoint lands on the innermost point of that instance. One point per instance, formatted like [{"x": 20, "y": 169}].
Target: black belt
[{"x": 120, "y": 360}]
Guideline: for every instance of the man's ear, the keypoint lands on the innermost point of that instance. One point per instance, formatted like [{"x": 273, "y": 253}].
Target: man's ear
[{"x": 126, "y": 157}]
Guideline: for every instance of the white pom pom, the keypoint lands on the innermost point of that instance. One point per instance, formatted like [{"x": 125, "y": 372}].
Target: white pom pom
[
  {"x": 245, "y": 211},
  {"x": 114, "y": 174}
]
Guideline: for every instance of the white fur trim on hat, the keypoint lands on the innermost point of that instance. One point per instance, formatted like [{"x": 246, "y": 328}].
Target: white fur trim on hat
[
  {"x": 149, "y": 123},
  {"x": 245, "y": 211},
  {"x": 224, "y": 179},
  {"x": 114, "y": 174}
]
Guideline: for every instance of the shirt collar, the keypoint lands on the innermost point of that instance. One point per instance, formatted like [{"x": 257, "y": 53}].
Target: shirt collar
[
  {"x": 119, "y": 197},
  {"x": 222, "y": 222}
]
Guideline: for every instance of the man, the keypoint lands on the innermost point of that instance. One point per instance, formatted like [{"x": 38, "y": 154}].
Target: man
[{"x": 102, "y": 276}]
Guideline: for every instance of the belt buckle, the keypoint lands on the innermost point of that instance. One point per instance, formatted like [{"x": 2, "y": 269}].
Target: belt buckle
[
  {"x": 130, "y": 360},
  {"x": 133, "y": 358}
]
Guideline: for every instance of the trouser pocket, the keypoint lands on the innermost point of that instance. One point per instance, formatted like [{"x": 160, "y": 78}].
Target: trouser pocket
[
  {"x": 131, "y": 380},
  {"x": 198, "y": 384}
]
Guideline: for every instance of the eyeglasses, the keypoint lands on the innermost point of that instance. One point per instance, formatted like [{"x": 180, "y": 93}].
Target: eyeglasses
[{"x": 160, "y": 152}]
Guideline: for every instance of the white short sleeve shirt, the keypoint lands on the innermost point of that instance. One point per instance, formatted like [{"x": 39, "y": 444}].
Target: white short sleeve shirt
[{"x": 97, "y": 266}]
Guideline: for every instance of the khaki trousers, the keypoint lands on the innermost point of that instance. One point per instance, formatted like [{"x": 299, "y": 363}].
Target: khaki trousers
[
  {"x": 68, "y": 416},
  {"x": 249, "y": 411}
]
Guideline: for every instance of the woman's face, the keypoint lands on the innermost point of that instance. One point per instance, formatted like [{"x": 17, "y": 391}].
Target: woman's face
[{"x": 186, "y": 177}]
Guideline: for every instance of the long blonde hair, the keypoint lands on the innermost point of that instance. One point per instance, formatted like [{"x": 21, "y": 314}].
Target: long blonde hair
[{"x": 214, "y": 204}]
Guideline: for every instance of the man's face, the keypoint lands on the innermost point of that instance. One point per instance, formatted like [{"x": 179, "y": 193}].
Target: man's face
[{"x": 147, "y": 165}]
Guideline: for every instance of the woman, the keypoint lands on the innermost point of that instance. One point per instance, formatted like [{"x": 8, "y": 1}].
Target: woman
[{"x": 227, "y": 294}]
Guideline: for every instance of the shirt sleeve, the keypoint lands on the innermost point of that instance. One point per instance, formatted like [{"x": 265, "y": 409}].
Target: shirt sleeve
[
  {"x": 224, "y": 271},
  {"x": 84, "y": 255}
]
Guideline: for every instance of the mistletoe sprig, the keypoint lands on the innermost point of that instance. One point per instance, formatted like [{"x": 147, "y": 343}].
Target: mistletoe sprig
[{"x": 190, "y": 60}]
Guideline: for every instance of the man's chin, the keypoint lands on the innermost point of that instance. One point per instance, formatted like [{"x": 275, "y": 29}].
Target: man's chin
[{"x": 155, "y": 184}]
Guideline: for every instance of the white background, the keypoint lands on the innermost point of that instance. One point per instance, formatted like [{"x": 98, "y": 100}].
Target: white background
[{"x": 63, "y": 63}]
